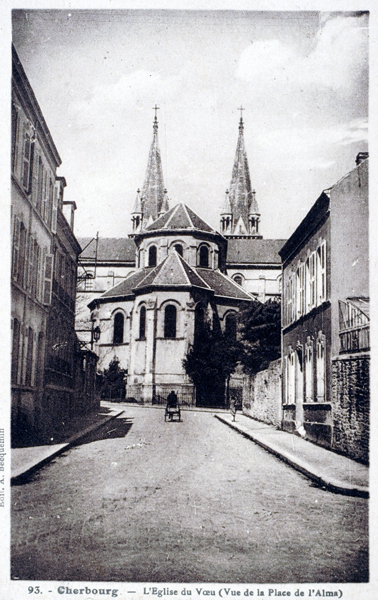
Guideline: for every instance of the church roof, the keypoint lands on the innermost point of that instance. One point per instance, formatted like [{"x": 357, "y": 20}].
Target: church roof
[
  {"x": 222, "y": 285},
  {"x": 126, "y": 287},
  {"x": 253, "y": 251},
  {"x": 180, "y": 217},
  {"x": 173, "y": 272},
  {"x": 152, "y": 195},
  {"x": 108, "y": 249}
]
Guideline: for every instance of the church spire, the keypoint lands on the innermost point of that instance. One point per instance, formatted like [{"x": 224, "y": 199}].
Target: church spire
[
  {"x": 152, "y": 196},
  {"x": 242, "y": 197}
]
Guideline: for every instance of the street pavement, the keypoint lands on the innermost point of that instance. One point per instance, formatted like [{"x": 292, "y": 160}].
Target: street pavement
[
  {"x": 329, "y": 469},
  {"x": 144, "y": 500}
]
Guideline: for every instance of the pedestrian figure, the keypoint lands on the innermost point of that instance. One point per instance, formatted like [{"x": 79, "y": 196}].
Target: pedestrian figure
[
  {"x": 172, "y": 399},
  {"x": 172, "y": 407},
  {"x": 232, "y": 408}
]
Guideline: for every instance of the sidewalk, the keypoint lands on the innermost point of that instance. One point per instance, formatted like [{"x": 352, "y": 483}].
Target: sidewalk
[
  {"x": 26, "y": 460},
  {"x": 333, "y": 471}
]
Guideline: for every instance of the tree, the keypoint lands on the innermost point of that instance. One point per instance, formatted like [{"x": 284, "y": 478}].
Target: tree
[
  {"x": 209, "y": 363},
  {"x": 113, "y": 380},
  {"x": 260, "y": 334}
]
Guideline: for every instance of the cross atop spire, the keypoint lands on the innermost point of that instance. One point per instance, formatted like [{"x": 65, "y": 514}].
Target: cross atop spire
[
  {"x": 241, "y": 117},
  {"x": 240, "y": 214},
  {"x": 156, "y": 108},
  {"x": 152, "y": 201}
]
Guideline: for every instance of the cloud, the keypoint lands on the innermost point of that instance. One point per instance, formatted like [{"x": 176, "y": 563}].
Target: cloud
[
  {"x": 134, "y": 90},
  {"x": 309, "y": 147},
  {"x": 339, "y": 55}
]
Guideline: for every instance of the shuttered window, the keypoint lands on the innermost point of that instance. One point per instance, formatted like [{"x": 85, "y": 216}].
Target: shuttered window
[{"x": 48, "y": 275}]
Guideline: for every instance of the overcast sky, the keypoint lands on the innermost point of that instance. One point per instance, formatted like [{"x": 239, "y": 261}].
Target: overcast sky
[{"x": 302, "y": 78}]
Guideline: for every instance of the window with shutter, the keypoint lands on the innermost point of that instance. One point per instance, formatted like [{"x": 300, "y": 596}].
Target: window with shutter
[
  {"x": 29, "y": 357},
  {"x": 14, "y": 137},
  {"x": 22, "y": 254},
  {"x": 29, "y": 262},
  {"x": 50, "y": 203},
  {"x": 15, "y": 350},
  {"x": 16, "y": 247},
  {"x": 48, "y": 275},
  {"x": 39, "y": 185},
  {"x": 54, "y": 209},
  {"x": 44, "y": 197},
  {"x": 27, "y": 162}
]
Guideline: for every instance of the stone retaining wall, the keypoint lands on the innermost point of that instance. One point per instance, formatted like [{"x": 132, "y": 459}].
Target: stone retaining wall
[
  {"x": 351, "y": 405},
  {"x": 262, "y": 395}
]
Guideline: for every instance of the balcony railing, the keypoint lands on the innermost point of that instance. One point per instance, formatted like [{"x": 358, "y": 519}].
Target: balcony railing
[{"x": 356, "y": 339}]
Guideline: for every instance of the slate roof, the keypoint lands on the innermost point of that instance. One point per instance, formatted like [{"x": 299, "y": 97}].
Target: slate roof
[
  {"x": 180, "y": 217},
  {"x": 173, "y": 272},
  {"x": 222, "y": 285},
  {"x": 109, "y": 249},
  {"x": 253, "y": 251},
  {"x": 126, "y": 287},
  {"x": 239, "y": 250}
]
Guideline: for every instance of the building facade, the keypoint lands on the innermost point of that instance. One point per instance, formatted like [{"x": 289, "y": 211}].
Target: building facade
[
  {"x": 325, "y": 282},
  {"x": 43, "y": 274},
  {"x": 252, "y": 262},
  {"x": 149, "y": 320},
  {"x": 177, "y": 281}
]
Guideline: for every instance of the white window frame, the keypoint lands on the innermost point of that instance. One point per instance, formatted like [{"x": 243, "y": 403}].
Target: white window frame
[
  {"x": 320, "y": 368},
  {"x": 309, "y": 370},
  {"x": 48, "y": 278}
]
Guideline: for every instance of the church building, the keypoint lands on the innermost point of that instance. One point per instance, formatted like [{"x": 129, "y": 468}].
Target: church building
[{"x": 149, "y": 319}]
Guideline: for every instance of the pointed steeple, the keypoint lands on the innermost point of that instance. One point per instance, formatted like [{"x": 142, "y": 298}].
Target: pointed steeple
[
  {"x": 165, "y": 204},
  {"x": 153, "y": 187},
  {"x": 137, "y": 213},
  {"x": 240, "y": 187},
  {"x": 226, "y": 214},
  {"x": 241, "y": 197}
]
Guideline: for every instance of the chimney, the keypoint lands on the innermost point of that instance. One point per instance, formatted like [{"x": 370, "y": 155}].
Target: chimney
[{"x": 361, "y": 156}]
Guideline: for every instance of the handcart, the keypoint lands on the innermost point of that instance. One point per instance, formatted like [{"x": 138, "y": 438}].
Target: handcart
[{"x": 172, "y": 408}]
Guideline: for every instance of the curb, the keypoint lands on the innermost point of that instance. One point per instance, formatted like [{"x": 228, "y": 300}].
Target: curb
[
  {"x": 20, "y": 476},
  {"x": 303, "y": 467}
]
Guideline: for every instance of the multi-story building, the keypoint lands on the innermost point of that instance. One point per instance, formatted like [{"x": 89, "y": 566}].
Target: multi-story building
[
  {"x": 43, "y": 275},
  {"x": 325, "y": 318}
]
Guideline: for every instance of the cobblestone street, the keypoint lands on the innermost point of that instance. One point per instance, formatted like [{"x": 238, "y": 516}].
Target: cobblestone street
[{"x": 145, "y": 500}]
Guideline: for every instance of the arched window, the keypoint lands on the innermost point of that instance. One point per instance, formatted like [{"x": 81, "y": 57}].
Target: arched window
[
  {"x": 238, "y": 279},
  {"x": 152, "y": 256},
  {"x": 230, "y": 327},
  {"x": 142, "y": 323},
  {"x": 204, "y": 256},
  {"x": 170, "y": 321},
  {"x": 179, "y": 249},
  {"x": 199, "y": 320},
  {"x": 119, "y": 323}
]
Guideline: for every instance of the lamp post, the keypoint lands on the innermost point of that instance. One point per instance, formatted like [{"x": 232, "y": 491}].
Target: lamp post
[{"x": 95, "y": 334}]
